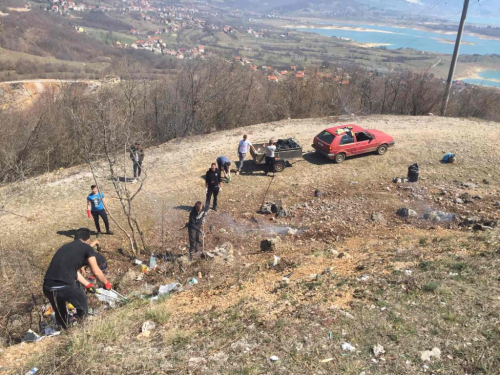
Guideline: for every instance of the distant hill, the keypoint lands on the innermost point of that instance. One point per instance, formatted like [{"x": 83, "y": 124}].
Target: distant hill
[
  {"x": 47, "y": 34},
  {"x": 429, "y": 7}
]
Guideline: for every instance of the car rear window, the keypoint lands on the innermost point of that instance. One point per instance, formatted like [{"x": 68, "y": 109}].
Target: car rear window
[{"x": 326, "y": 137}]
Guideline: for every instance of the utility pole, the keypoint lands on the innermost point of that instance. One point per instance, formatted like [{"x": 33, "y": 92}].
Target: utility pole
[{"x": 454, "y": 59}]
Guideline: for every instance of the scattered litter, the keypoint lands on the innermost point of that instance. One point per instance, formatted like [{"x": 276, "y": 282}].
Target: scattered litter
[
  {"x": 292, "y": 232},
  {"x": 408, "y": 272},
  {"x": 348, "y": 347},
  {"x": 398, "y": 180},
  {"x": 453, "y": 274},
  {"x": 137, "y": 261},
  {"x": 49, "y": 331},
  {"x": 152, "y": 262},
  {"x": 144, "y": 269},
  {"x": 169, "y": 288},
  {"x": 109, "y": 296},
  {"x": 330, "y": 335},
  {"x": 378, "y": 350},
  {"x": 49, "y": 310},
  {"x": 276, "y": 260},
  {"x": 193, "y": 281},
  {"x": 449, "y": 158},
  {"x": 30, "y": 336},
  {"x": 364, "y": 278},
  {"x": 327, "y": 360},
  {"x": 274, "y": 358},
  {"x": 406, "y": 212},
  {"x": 148, "y": 325},
  {"x": 428, "y": 354},
  {"x": 34, "y": 370}
]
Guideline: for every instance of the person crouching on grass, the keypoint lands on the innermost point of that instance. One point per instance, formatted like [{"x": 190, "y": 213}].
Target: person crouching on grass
[
  {"x": 61, "y": 280},
  {"x": 96, "y": 206}
]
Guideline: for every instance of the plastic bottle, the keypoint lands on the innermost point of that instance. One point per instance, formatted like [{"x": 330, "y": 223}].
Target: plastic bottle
[{"x": 34, "y": 370}]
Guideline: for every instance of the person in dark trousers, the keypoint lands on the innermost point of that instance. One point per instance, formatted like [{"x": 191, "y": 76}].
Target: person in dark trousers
[
  {"x": 137, "y": 156},
  {"x": 96, "y": 206},
  {"x": 270, "y": 158},
  {"x": 224, "y": 164},
  {"x": 242, "y": 151},
  {"x": 212, "y": 183},
  {"x": 196, "y": 219},
  {"x": 61, "y": 280}
]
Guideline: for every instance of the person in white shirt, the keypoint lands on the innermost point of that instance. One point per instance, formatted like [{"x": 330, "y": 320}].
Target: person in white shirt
[
  {"x": 242, "y": 151},
  {"x": 270, "y": 158}
]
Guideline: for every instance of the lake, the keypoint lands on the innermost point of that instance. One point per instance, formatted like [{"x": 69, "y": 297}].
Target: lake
[
  {"x": 487, "y": 78},
  {"x": 409, "y": 38}
]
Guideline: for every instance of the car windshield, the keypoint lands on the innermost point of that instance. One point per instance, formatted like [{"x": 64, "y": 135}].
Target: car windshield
[{"x": 326, "y": 137}]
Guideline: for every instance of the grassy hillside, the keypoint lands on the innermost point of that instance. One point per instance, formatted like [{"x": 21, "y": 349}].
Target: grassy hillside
[{"x": 354, "y": 272}]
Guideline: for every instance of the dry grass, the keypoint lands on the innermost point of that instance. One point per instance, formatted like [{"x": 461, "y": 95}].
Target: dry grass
[{"x": 428, "y": 285}]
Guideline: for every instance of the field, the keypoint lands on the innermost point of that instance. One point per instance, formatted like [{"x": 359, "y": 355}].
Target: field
[{"x": 354, "y": 272}]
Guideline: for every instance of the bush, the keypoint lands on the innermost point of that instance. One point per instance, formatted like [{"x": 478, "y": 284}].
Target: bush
[{"x": 430, "y": 286}]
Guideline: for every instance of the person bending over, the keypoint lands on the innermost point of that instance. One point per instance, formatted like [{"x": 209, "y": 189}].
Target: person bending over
[{"x": 61, "y": 280}]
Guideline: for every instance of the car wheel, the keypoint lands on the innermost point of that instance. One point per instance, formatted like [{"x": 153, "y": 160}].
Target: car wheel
[
  {"x": 382, "y": 149},
  {"x": 339, "y": 158},
  {"x": 279, "y": 166}
]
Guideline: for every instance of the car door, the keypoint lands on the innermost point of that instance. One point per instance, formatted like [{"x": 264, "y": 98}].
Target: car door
[
  {"x": 364, "y": 143},
  {"x": 347, "y": 144}
]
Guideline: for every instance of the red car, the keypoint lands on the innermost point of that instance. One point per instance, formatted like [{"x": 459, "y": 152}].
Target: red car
[{"x": 342, "y": 141}]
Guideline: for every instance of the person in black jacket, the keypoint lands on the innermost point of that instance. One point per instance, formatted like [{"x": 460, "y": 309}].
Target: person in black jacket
[
  {"x": 212, "y": 183},
  {"x": 196, "y": 219},
  {"x": 60, "y": 284}
]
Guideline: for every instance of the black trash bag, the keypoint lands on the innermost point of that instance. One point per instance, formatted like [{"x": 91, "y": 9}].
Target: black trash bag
[
  {"x": 413, "y": 173},
  {"x": 286, "y": 144}
]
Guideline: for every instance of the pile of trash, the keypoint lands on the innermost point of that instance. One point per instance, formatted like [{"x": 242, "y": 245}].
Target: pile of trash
[
  {"x": 438, "y": 216},
  {"x": 287, "y": 144},
  {"x": 225, "y": 252},
  {"x": 278, "y": 209}
]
